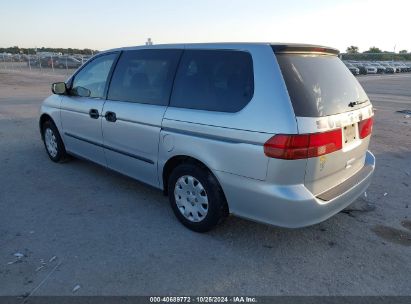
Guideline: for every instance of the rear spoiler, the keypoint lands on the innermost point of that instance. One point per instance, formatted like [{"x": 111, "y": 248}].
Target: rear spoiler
[{"x": 303, "y": 49}]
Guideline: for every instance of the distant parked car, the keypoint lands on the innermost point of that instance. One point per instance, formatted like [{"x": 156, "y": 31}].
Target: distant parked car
[
  {"x": 370, "y": 68},
  {"x": 6, "y": 57},
  {"x": 389, "y": 67},
  {"x": 17, "y": 58},
  {"x": 39, "y": 62},
  {"x": 380, "y": 68},
  {"x": 408, "y": 65},
  {"x": 33, "y": 61},
  {"x": 361, "y": 68},
  {"x": 67, "y": 62},
  {"x": 48, "y": 61},
  {"x": 25, "y": 57},
  {"x": 353, "y": 69},
  {"x": 400, "y": 67}
]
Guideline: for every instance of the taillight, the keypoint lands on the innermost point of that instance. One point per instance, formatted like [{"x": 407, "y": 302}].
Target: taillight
[
  {"x": 303, "y": 145},
  {"x": 365, "y": 127}
]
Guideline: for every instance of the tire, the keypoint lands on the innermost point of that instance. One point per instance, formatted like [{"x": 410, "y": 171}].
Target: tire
[
  {"x": 53, "y": 143},
  {"x": 203, "y": 210}
]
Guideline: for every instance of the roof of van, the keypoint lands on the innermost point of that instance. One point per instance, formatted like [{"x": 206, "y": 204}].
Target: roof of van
[{"x": 277, "y": 47}]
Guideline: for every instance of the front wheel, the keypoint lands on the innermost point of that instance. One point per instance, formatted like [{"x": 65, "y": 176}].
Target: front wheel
[
  {"x": 196, "y": 197},
  {"x": 53, "y": 142}
]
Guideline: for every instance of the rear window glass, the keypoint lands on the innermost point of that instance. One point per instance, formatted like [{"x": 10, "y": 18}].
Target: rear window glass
[
  {"x": 214, "y": 80},
  {"x": 320, "y": 85}
]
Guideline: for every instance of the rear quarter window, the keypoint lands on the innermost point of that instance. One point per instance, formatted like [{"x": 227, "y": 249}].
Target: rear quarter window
[{"x": 214, "y": 80}]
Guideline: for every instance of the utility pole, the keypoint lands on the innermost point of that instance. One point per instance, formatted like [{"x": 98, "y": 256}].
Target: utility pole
[
  {"x": 28, "y": 57},
  {"x": 393, "y": 56}
]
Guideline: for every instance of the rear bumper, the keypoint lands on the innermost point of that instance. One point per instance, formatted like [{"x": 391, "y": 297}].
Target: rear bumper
[{"x": 290, "y": 206}]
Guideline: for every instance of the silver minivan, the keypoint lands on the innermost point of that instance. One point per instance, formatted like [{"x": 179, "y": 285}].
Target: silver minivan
[{"x": 275, "y": 133}]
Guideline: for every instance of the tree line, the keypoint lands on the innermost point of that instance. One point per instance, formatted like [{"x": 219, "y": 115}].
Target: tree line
[
  {"x": 27, "y": 51},
  {"x": 374, "y": 53}
]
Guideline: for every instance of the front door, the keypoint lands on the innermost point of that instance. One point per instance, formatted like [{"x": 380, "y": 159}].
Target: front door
[{"x": 81, "y": 109}]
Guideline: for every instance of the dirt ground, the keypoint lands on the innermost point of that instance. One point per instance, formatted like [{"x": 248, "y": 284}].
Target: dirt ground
[{"x": 78, "y": 224}]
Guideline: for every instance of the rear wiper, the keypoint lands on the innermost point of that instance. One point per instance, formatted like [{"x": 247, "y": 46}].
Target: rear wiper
[{"x": 356, "y": 103}]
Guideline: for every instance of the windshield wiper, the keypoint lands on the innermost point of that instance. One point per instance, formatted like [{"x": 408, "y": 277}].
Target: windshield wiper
[{"x": 356, "y": 103}]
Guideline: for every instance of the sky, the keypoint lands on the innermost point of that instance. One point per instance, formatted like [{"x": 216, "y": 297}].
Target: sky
[{"x": 105, "y": 24}]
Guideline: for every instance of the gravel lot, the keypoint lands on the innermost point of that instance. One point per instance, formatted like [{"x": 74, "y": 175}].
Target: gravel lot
[{"x": 80, "y": 224}]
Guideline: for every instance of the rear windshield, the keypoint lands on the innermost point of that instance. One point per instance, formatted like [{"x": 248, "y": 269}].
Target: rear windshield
[{"x": 320, "y": 85}]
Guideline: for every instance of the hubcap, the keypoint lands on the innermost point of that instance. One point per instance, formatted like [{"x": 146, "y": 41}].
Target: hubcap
[
  {"x": 191, "y": 198},
  {"x": 51, "y": 142}
]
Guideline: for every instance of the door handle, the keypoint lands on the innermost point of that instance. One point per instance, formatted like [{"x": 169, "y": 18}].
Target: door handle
[
  {"x": 110, "y": 116},
  {"x": 94, "y": 113}
]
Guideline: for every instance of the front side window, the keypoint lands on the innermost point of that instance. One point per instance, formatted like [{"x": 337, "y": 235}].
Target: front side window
[
  {"x": 214, "y": 80},
  {"x": 144, "y": 76},
  {"x": 93, "y": 77}
]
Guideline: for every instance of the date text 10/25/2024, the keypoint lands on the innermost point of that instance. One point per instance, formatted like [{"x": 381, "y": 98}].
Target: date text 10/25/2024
[{"x": 182, "y": 299}]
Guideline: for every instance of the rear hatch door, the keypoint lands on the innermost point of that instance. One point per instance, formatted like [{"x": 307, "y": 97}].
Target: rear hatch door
[{"x": 326, "y": 96}]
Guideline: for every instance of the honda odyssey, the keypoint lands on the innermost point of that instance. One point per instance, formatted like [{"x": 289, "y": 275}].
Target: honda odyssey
[{"x": 275, "y": 133}]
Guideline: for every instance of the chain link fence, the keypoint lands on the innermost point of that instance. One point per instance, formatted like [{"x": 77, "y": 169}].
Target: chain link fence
[
  {"x": 42, "y": 63},
  {"x": 64, "y": 64}
]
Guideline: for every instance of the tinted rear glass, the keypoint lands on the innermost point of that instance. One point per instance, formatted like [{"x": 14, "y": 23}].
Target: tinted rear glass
[
  {"x": 320, "y": 85},
  {"x": 214, "y": 80},
  {"x": 144, "y": 76}
]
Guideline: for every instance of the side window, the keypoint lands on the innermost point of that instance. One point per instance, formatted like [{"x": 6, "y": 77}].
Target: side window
[
  {"x": 214, "y": 80},
  {"x": 93, "y": 76},
  {"x": 144, "y": 76}
]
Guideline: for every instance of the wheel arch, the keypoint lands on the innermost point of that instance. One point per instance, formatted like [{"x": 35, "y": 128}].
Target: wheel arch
[
  {"x": 43, "y": 118},
  {"x": 177, "y": 160}
]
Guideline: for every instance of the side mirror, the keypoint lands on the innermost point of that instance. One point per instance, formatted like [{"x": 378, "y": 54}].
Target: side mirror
[{"x": 59, "y": 88}]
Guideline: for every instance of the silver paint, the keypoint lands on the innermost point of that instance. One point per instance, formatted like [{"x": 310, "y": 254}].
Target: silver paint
[{"x": 273, "y": 191}]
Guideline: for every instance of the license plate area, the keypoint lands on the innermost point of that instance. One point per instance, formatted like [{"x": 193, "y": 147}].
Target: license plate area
[{"x": 350, "y": 134}]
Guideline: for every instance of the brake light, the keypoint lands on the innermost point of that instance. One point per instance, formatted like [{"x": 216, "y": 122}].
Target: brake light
[
  {"x": 300, "y": 146},
  {"x": 365, "y": 127}
]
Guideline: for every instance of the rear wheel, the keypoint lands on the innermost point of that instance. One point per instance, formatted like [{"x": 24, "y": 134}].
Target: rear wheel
[
  {"x": 53, "y": 142},
  {"x": 196, "y": 197}
]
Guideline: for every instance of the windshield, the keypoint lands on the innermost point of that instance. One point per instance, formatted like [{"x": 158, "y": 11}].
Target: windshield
[{"x": 320, "y": 85}]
